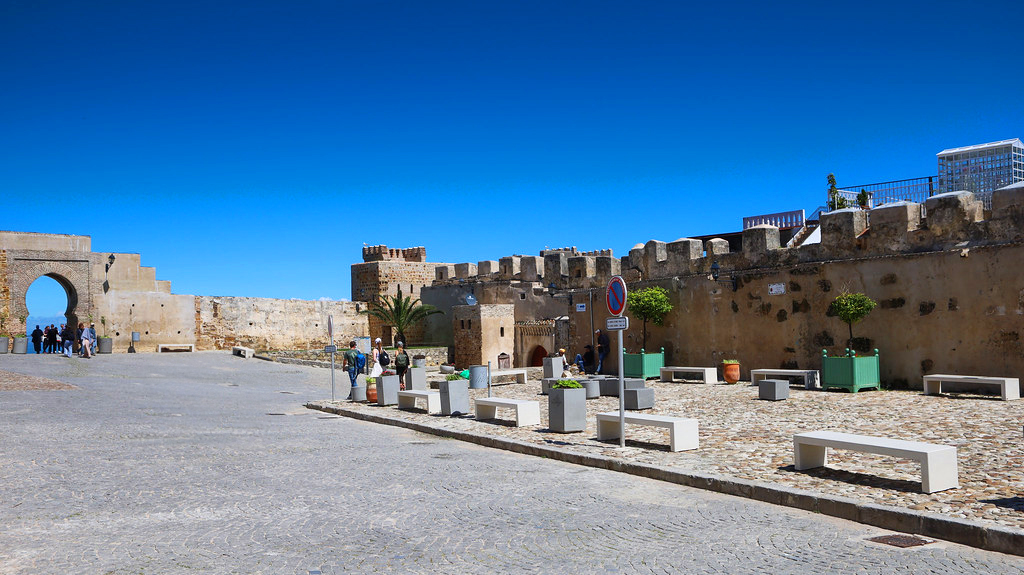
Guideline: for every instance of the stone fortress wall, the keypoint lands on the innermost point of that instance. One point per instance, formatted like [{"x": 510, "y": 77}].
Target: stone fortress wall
[
  {"x": 946, "y": 274},
  {"x": 130, "y": 298}
]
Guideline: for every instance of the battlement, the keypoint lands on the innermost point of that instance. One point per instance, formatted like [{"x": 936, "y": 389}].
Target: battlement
[
  {"x": 383, "y": 253},
  {"x": 944, "y": 221}
]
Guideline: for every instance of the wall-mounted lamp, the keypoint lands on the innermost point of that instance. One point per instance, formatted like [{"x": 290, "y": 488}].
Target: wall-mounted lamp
[
  {"x": 716, "y": 270},
  {"x": 106, "y": 270}
]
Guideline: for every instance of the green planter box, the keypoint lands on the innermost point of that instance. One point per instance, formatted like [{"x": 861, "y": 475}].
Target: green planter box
[
  {"x": 850, "y": 372},
  {"x": 643, "y": 364}
]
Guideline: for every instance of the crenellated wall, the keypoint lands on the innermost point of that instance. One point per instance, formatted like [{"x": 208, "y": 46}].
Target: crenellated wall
[{"x": 946, "y": 274}]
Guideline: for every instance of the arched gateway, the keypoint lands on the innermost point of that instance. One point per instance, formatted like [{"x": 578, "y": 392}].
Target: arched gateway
[{"x": 73, "y": 276}]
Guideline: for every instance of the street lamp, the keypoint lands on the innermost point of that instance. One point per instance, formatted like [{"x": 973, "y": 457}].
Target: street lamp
[
  {"x": 106, "y": 271},
  {"x": 716, "y": 271}
]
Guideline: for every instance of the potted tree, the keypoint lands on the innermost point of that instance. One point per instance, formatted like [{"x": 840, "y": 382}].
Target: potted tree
[
  {"x": 849, "y": 371},
  {"x": 567, "y": 406},
  {"x": 104, "y": 344},
  {"x": 649, "y": 304},
  {"x": 20, "y": 339}
]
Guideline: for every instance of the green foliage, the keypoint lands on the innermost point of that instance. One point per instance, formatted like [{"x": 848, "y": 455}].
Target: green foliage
[
  {"x": 730, "y": 361},
  {"x": 835, "y": 201},
  {"x": 453, "y": 377},
  {"x": 401, "y": 313},
  {"x": 851, "y": 308},
  {"x": 566, "y": 384},
  {"x": 649, "y": 304},
  {"x": 862, "y": 198},
  {"x": 371, "y": 381}
]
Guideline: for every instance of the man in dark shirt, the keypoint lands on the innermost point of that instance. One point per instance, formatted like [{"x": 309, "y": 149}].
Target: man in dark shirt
[
  {"x": 37, "y": 339},
  {"x": 603, "y": 347},
  {"x": 350, "y": 361}
]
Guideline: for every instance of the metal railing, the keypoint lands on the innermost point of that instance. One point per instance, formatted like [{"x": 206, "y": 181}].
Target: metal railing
[{"x": 792, "y": 219}]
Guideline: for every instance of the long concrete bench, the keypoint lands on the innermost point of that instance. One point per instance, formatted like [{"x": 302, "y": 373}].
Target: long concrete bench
[
  {"x": 682, "y": 431},
  {"x": 708, "y": 374},
  {"x": 245, "y": 352},
  {"x": 527, "y": 411},
  {"x": 161, "y": 347},
  {"x": 1009, "y": 387},
  {"x": 938, "y": 462},
  {"x": 811, "y": 377},
  {"x": 407, "y": 399},
  {"x": 519, "y": 373}
]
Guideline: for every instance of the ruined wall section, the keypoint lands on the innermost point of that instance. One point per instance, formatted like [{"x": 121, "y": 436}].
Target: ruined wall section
[{"x": 270, "y": 324}]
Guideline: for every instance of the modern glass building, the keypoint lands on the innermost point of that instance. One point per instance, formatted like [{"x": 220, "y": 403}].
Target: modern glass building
[{"x": 981, "y": 169}]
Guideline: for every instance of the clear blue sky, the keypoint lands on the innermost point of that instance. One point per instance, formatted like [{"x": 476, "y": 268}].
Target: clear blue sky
[{"x": 251, "y": 148}]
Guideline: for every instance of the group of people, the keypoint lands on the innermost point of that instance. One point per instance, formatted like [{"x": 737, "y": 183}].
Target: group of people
[
  {"x": 381, "y": 360},
  {"x": 585, "y": 361},
  {"x": 53, "y": 340}
]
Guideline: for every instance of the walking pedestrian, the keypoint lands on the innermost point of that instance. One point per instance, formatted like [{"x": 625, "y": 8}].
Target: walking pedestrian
[
  {"x": 84, "y": 341},
  {"x": 378, "y": 354},
  {"x": 402, "y": 361},
  {"x": 350, "y": 361},
  {"x": 37, "y": 340},
  {"x": 67, "y": 335}
]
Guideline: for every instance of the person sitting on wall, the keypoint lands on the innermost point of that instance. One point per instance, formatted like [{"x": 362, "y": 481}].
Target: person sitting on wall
[{"x": 588, "y": 359}]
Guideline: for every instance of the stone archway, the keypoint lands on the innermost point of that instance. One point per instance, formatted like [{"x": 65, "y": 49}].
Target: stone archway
[{"x": 73, "y": 276}]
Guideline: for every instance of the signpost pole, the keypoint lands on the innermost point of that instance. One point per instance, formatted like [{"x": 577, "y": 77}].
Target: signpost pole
[
  {"x": 622, "y": 398},
  {"x": 330, "y": 333},
  {"x": 616, "y": 299}
]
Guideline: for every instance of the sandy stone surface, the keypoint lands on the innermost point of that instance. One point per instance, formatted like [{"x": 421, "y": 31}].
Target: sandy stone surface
[
  {"x": 744, "y": 437},
  {"x": 17, "y": 382}
]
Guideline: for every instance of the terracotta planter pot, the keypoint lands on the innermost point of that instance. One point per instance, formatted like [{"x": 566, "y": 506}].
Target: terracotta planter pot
[
  {"x": 731, "y": 372},
  {"x": 371, "y": 393}
]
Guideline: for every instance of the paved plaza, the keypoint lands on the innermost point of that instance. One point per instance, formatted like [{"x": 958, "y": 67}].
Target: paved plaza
[{"x": 208, "y": 463}]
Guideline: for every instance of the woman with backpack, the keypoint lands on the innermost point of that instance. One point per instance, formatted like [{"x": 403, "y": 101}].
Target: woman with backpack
[
  {"x": 402, "y": 360},
  {"x": 379, "y": 358}
]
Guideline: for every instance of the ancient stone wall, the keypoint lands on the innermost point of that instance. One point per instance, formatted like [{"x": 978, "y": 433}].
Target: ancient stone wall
[
  {"x": 123, "y": 296},
  {"x": 263, "y": 323}
]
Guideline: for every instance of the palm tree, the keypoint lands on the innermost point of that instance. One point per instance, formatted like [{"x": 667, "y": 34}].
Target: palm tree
[{"x": 401, "y": 312}]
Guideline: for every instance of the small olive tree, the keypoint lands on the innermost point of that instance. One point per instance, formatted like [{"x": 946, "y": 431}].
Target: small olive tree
[
  {"x": 851, "y": 308},
  {"x": 649, "y": 304},
  {"x": 835, "y": 201}
]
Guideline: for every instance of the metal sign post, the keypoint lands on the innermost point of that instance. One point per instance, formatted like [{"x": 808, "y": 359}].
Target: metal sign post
[
  {"x": 330, "y": 334},
  {"x": 616, "y": 299}
]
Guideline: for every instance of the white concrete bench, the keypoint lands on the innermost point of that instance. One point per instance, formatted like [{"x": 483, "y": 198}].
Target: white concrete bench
[
  {"x": 163, "y": 346},
  {"x": 407, "y": 399},
  {"x": 938, "y": 462},
  {"x": 708, "y": 374},
  {"x": 519, "y": 373},
  {"x": 811, "y": 377},
  {"x": 527, "y": 411},
  {"x": 245, "y": 352},
  {"x": 682, "y": 431},
  {"x": 1009, "y": 387}
]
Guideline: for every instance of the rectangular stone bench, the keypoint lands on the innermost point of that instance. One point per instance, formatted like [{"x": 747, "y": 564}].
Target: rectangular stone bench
[
  {"x": 708, "y": 374},
  {"x": 811, "y": 377},
  {"x": 407, "y": 399},
  {"x": 519, "y": 373},
  {"x": 938, "y": 462},
  {"x": 527, "y": 411},
  {"x": 163, "y": 346},
  {"x": 245, "y": 352},
  {"x": 1009, "y": 387},
  {"x": 682, "y": 431}
]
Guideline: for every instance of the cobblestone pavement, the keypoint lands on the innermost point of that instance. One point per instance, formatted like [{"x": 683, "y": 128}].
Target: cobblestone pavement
[
  {"x": 179, "y": 463},
  {"x": 743, "y": 437}
]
